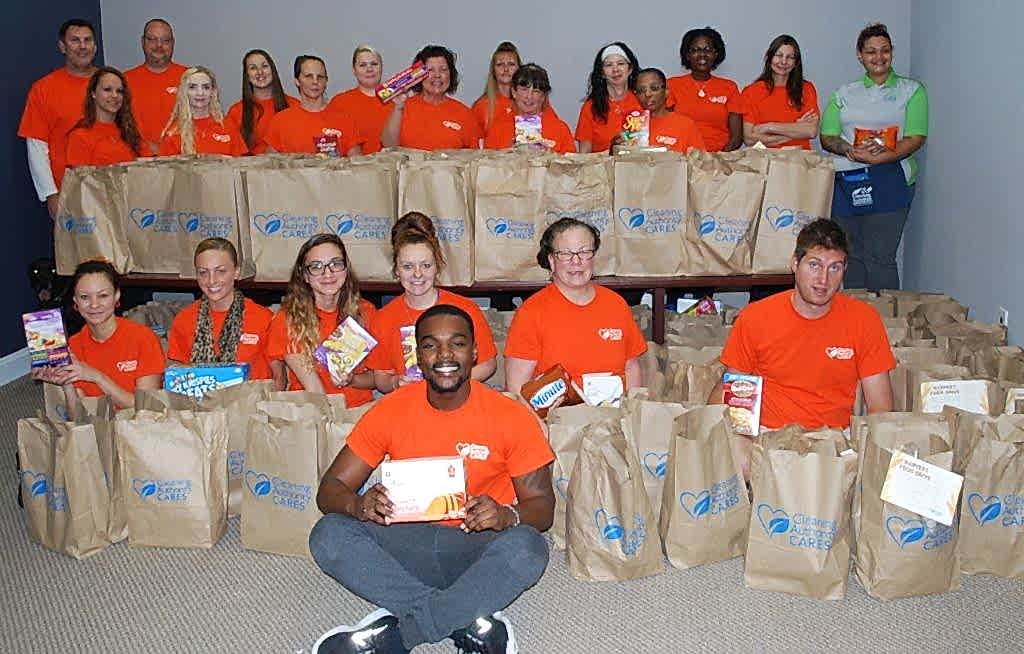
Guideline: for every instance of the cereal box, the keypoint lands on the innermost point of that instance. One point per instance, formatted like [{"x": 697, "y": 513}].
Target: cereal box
[
  {"x": 47, "y": 342},
  {"x": 743, "y": 402},
  {"x": 196, "y": 380},
  {"x": 528, "y": 130},
  {"x": 636, "y": 131},
  {"x": 412, "y": 369},
  {"x": 427, "y": 489}
]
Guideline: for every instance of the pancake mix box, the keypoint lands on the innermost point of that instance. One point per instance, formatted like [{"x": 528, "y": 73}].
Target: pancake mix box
[{"x": 426, "y": 489}]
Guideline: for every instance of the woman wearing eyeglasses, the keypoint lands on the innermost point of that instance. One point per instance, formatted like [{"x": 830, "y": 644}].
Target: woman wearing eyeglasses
[
  {"x": 417, "y": 260},
  {"x": 572, "y": 321},
  {"x": 781, "y": 106},
  {"x": 714, "y": 103},
  {"x": 322, "y": 292}
]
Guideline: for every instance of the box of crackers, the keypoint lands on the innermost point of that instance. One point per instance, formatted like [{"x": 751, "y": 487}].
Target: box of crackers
[
  {"x": 47, "y": 342},
  {"x": 425, "y": 489},
  {"x": 742, "y": 398}
]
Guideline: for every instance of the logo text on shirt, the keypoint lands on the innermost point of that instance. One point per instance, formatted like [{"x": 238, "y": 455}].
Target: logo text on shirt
[
  {"x": 842, "y": 353},
  {"x": 128, "y": 366},
  {"x": 666, "y": 140},
  {"x": 249, "y": 339},
  {"x": 223, "y": 138},
  {"x": 473, "y": 451},
  {"x": 451, "y": 124},
  {"x": 610, "y": 334}
]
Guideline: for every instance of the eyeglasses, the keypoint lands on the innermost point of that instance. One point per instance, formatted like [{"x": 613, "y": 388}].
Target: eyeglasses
[
  {"x": 317, "y": 268},
  {"x": 565, "y": 256},
  {"x": 704, "y": 50}
]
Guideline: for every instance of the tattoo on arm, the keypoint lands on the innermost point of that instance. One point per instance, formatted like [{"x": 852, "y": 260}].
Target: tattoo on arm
[{"x": 835, "y": 144}]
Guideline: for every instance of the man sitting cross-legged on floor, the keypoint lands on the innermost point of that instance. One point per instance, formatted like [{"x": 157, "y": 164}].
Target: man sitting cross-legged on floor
[{"x": 438, "y": 580}]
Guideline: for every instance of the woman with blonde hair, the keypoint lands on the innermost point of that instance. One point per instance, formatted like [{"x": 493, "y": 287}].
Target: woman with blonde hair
[
  {"x": 497, "y": 95},
  {"x": 322, "y": 292},
  {"x": 197, "y": 125},
  {"x": 361, "y": 102},
  {"x": 417, "y": 260}
]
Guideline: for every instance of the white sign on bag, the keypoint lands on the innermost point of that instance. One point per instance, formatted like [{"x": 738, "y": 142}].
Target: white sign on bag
[{"x": 922, "y": 487}]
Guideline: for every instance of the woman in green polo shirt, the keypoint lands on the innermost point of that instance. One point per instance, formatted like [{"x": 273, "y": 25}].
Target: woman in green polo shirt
[{"x": 874, "y": 126}]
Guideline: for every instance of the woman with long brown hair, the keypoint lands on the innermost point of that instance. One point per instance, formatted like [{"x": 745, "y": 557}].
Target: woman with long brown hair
[
  {"x": 262, "y": 96},
  {"x": 417, "y": 260},
  {"x": 781, "y": 107},
  {"x": 497, "y": 96},
  {"x": 196, "y": 125},
  {"x": 107, "y": 133},
  {"x": 323, "y": 290}
]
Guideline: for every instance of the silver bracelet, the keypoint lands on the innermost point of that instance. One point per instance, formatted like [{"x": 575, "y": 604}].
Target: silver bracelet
[{"x": 515, "y": 512}]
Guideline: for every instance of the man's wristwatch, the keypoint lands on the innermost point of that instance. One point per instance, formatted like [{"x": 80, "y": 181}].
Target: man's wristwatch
[{"x": 515, "y": 514}]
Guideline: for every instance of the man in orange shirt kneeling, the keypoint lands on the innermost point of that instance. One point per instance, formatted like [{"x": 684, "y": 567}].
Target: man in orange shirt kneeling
[
  {"x": 438, "y": 580},
  {"x": 812, "y": 345}
]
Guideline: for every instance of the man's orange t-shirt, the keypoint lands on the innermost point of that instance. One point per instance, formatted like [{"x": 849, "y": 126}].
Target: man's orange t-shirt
[
  {"x": 279, "y": 344},
  {"x": 499, "y": 437},
  {"x": 760, "y": 106},
  {"x": 252, "y": 343},
  {"x": 210, "y": 137},
  {"x": 53, "y": 107},
  {"x": 153, "y": 98},
  {"x": 234, "y": 116},
  {"x": 447, "y": 126},
  {"x": 502, "y": 133},
  {"x": 387, "y": 324},
  {"x": 810, "y": 367},
  {"x": 99, "y": 145},
  {"x": 598, "y": 337},
  {"x": 368, "y": 112},
  {"x": 708, "y": 104},
  {"x": 315, "y": 132},
  {"x": 131, "y": 352},
  {"x": 503, "y": 106},
  {"x": 600, "y": 134},
  {"x": 675, "y": 132}
]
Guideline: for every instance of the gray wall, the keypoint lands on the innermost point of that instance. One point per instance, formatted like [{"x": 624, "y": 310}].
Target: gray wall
[
  {"x": 561, "y": 36},
  {"x": 965, "y": 235}
]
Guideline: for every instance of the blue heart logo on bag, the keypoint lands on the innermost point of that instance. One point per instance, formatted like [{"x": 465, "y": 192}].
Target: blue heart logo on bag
[
  {"x": 632, "y": 217},
  {"x": 340, "y": 225},
  {"x": 267, "y": 224},
  {"x": 609, "y": 526},
  {"x": 144, "y": 487},
  {"x": 188, "y": 222},
  {"x": 984, "y": 509},
  {"x": 497, "y": 226},
  {"x": 706, "y": 224},
  {"x": 259, "y": 484},
  {"x": 38, "y": 483},
  {"x": 562, "y": 486},
  {"x": 773, "y": 521},
  {"x": 903, "y": 531},
  {"x": 69, "y": 224},
  {"x": 779, "y": 217},
  {"x": 142, "y": 218},
  {"x": 697, "y": 505},
  {"x": 654, "y": 464}
]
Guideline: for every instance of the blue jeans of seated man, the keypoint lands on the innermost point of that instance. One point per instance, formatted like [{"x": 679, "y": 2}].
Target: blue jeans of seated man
[{"x": 435, "y": 579}]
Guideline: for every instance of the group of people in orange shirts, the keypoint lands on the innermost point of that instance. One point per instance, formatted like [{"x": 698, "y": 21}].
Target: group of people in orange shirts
[{"x": 84, "y": 115}]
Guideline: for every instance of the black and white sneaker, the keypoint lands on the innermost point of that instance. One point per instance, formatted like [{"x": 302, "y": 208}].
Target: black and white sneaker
[
  {"x": 490, "y": 634},
  {"x": 377, "y": 633}
]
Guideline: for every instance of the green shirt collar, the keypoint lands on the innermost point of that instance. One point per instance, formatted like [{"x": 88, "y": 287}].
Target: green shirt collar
[{"x": 890, "y": 81}]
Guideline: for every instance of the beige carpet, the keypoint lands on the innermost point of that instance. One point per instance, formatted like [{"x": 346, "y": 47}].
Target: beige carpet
[{"x": 229, "y": 600}]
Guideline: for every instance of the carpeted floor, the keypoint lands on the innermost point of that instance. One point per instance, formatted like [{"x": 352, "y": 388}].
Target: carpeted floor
[{"x": 229, "y": 600}]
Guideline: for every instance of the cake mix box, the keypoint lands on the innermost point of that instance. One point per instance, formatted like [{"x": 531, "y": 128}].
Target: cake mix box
[
  {"x": 742, "y": 394},
  {"x": 196, "y": 380},
  {"x": 345, "y": 348},
  {"x": 47, "y": 342},
  {"x": 426, "y": 489}
]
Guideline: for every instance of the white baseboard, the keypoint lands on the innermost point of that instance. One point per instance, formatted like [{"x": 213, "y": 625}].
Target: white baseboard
[{"x": 13, "y": 366}]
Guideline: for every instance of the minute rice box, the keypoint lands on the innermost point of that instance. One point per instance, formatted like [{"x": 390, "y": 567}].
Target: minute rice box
[{"x": 427, "y": 489}]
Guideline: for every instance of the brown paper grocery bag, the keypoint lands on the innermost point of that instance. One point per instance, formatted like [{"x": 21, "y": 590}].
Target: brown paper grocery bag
[
  {"x": 360, "y": 204},
  {"x": 990, "y": 454},
  {"x": 650, "y": 214},
  {"x": 239, "y": 403},
  {"x": 507, "y": 219},
  {"x": 565, "y": 433},
  {"x": 724, "y": 199},
  {"x": 90, "y": 222},
  {"x": 942, "y": 312},
  {"x": 693, "y": 373},
  {"x": 285, "y": 210},
  {"x": 151, "y": 221},
  {"x": 610, "y": 528},
  {"x": 440, "y": 189},
  {"x": 281, "y": 477},
  {"x": 899, "y": 553},
  {"x": 1004, "y": 363},
  {"x": 67, "y": 505},
  {"x": 906, "y": 359},
  {"x": 798, "y": 191},
  {"x": 963, "y": 338},
  {"x": 100, "y": 413},
  {"x": 930, "y": 394},
  {"x": 705, "y": 510},
  {"x": 173, "y": 467},
  {"x": 580, "y": 186},
  {"x": 647, "y": 425},
  {"x": 800, "y": 514},
  {"x": 698, "y": 336},
  {"x": 203, "y": 197}
]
